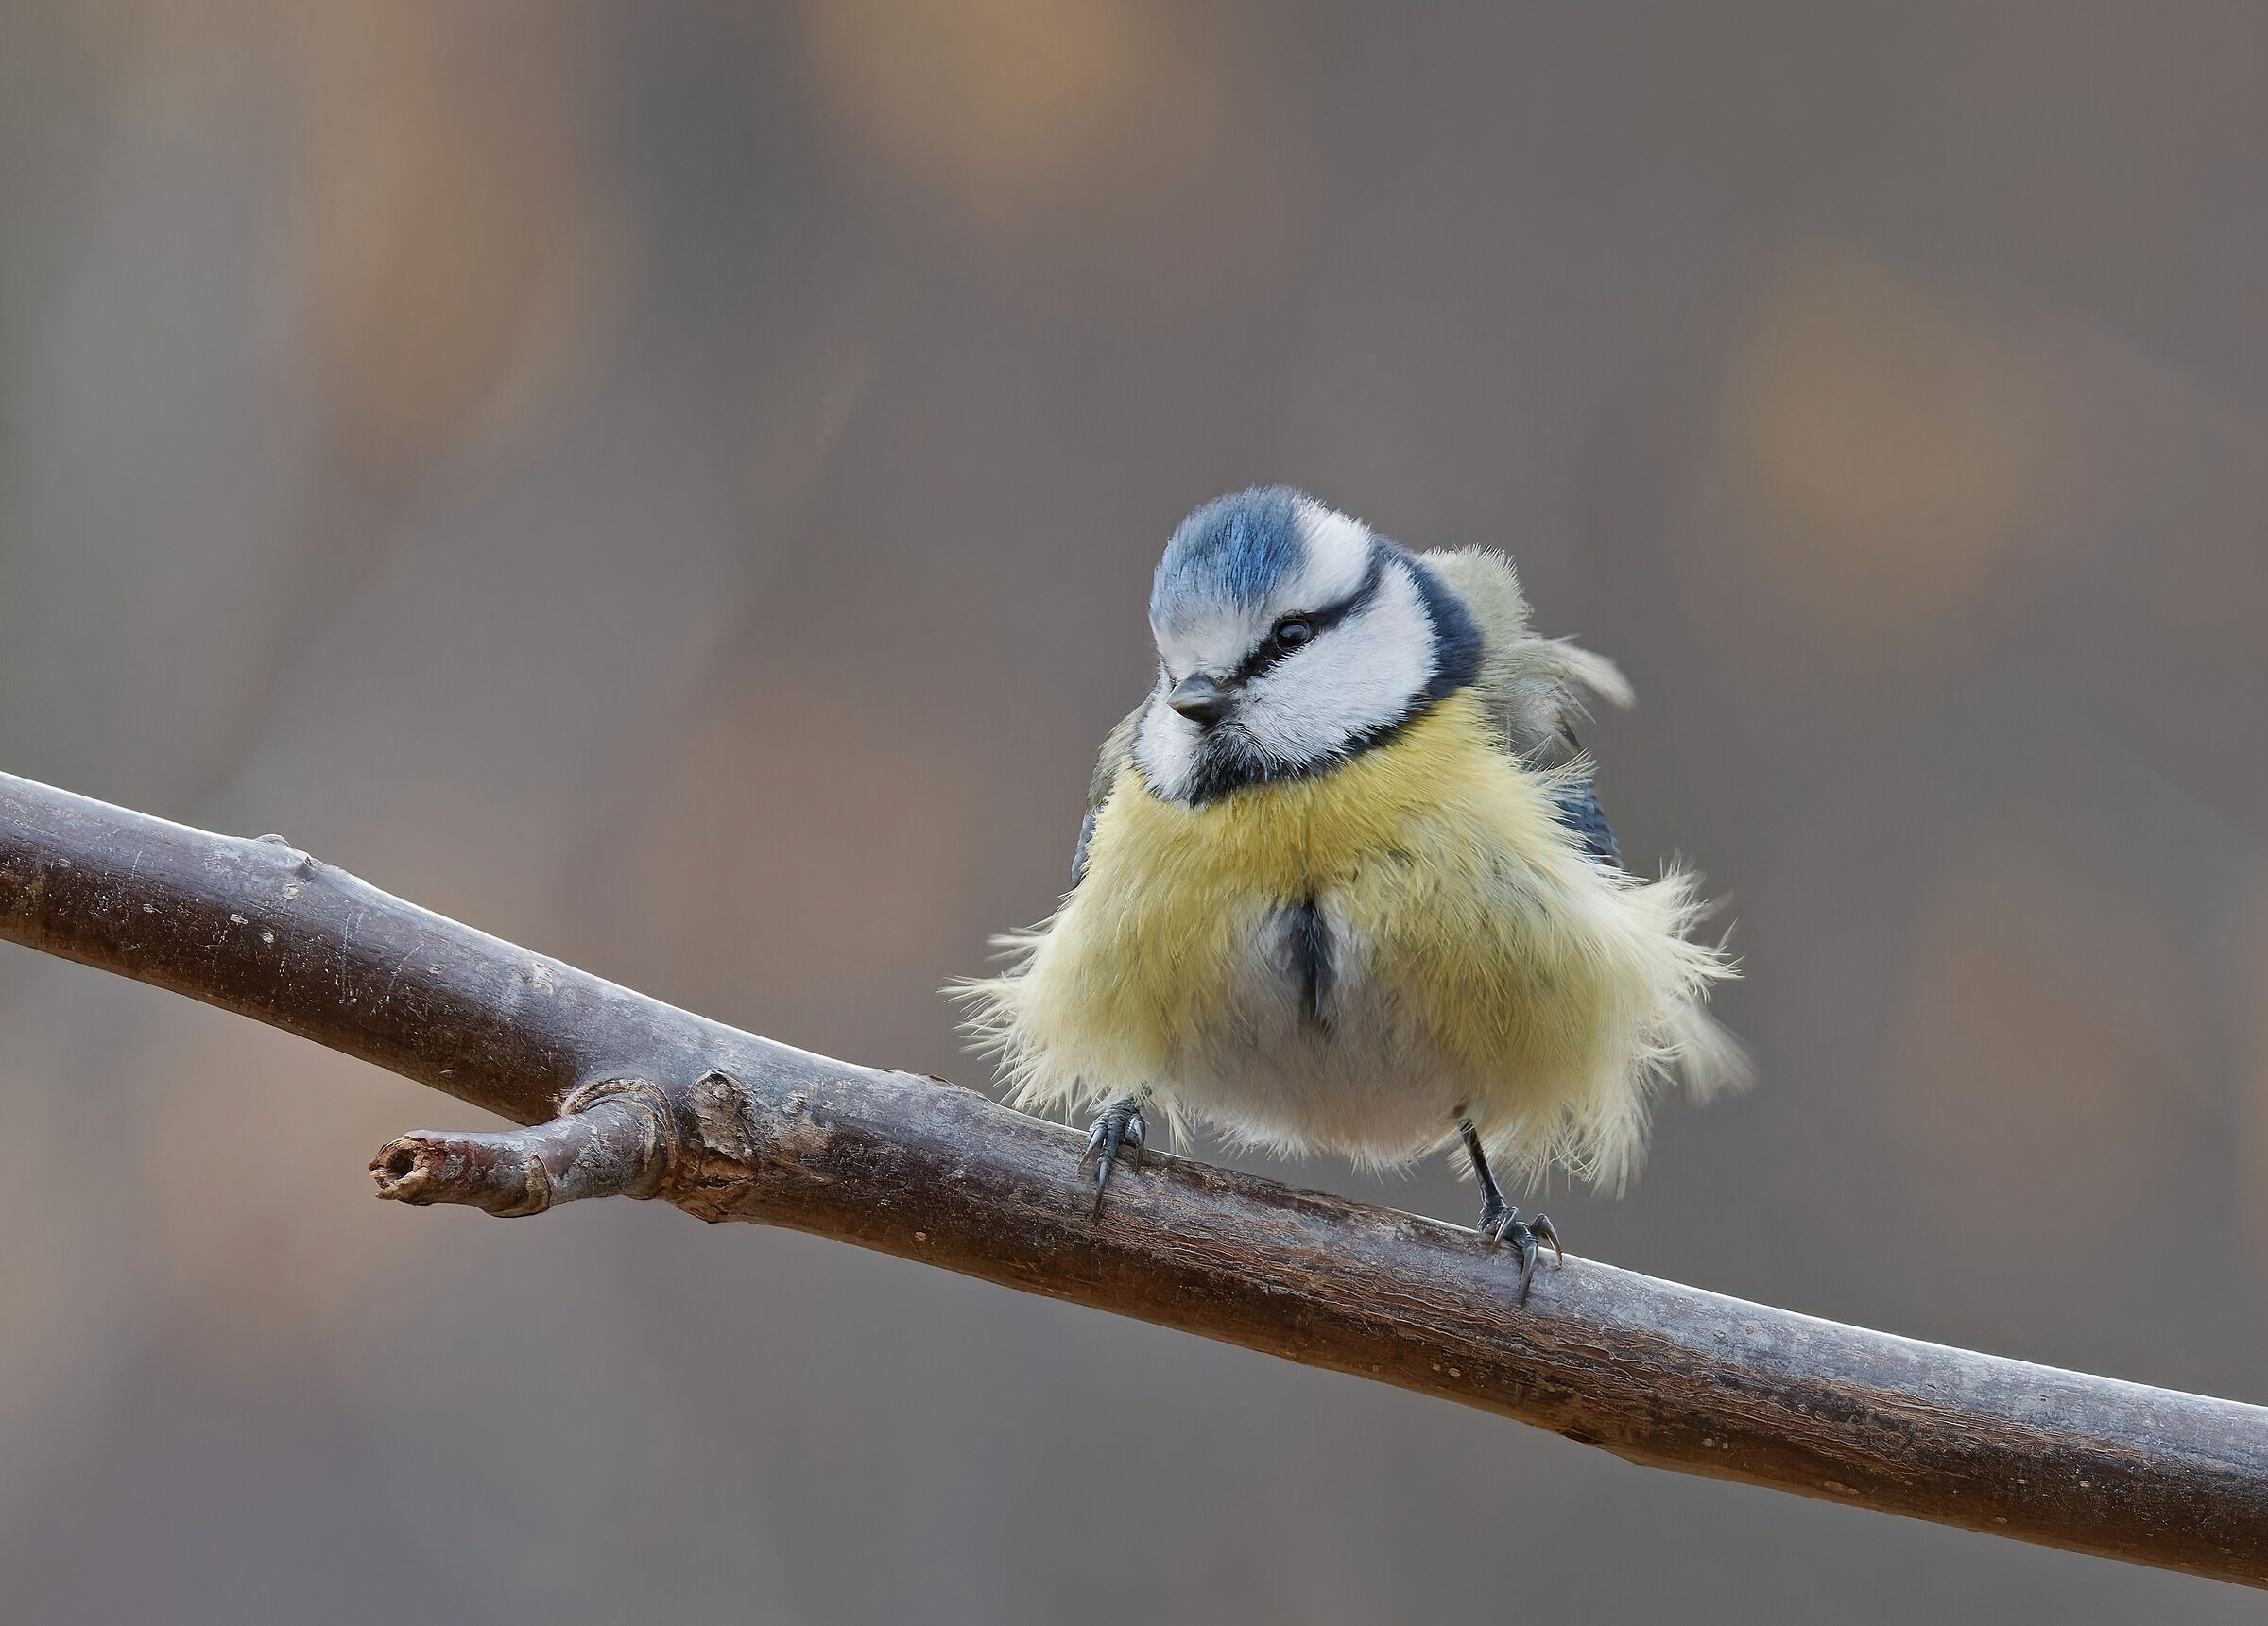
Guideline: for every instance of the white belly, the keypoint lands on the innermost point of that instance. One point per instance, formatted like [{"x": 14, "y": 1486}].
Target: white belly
[{"x": 1310, "y": 1056}]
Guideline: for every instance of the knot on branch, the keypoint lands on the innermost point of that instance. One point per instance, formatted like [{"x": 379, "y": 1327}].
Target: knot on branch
[{"x": 614, "y": 1138}]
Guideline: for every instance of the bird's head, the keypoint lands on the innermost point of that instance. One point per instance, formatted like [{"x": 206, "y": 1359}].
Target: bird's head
[{"x": 1289, "y": 637}]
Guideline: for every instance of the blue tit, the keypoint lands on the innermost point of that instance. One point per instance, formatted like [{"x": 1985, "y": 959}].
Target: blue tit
[{"x": 1343, "y": 884}]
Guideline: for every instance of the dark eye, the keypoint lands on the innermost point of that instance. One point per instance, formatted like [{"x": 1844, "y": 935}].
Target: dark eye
[{"x": 1291, "y": 631}]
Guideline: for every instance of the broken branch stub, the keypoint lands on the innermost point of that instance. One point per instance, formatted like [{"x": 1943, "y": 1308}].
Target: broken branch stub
[{"x": 613, "y": 1140}]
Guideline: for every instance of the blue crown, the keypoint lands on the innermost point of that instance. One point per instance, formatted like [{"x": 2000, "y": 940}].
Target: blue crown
[{"x": 1233, "y": 548}]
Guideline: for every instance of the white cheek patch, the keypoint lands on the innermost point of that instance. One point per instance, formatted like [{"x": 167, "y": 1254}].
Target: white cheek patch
[
  {"x": 1361, "y": 676},
  {"x": 1166, "y": 749}
]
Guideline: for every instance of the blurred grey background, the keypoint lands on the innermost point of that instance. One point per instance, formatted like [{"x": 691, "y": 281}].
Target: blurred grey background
[{"x": 676, "y": 485}]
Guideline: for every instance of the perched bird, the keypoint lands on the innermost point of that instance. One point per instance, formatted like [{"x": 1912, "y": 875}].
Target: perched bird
[{"x": 1343, "y": 884}]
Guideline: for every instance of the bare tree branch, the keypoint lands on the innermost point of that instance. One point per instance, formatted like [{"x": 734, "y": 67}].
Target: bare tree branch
[{"x": 629, "y": 1095}]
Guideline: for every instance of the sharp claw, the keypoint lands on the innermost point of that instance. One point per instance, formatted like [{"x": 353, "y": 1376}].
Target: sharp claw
[
  {"x": 1118, "y": 1128},
  {"x": 1526, "y": 1237},
  {"x": 1500, "y": 1219},
  {"x": 1541, "y": 1224}
]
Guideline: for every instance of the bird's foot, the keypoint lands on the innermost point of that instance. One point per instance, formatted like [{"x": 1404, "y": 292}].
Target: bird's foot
[
  {"x": 1119, "y": 1129},
  {"x": 1501, "y": 1223}
]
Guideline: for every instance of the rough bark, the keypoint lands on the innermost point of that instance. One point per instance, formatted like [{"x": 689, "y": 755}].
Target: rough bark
[{"x": 624, "y": 1094}]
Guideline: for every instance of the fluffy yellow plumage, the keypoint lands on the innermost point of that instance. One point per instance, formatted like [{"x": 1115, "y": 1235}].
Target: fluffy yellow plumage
[{"x": 1482, "y": 963}]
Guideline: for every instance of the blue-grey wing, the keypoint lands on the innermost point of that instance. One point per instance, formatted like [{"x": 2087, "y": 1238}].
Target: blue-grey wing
[
  {"x": 1580, "y": 812},
  {"x": 1078, "y": 853},
  {"x": 1118, "y": 750}
]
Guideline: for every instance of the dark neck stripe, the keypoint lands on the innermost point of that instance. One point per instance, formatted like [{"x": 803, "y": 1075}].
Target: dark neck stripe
[{"x": 1457, "y": 637}]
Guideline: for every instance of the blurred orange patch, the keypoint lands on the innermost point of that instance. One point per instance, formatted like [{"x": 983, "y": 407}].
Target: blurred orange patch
[
  {"x": 999, "y": 100},
  {"x": 1886, "y": 449},
  {"x": 1091, "y": 145},
  {"x": 458, "y": 244}
]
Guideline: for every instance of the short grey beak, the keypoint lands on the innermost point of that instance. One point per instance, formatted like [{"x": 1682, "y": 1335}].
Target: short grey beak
[{"x": 1200, "y": 699}]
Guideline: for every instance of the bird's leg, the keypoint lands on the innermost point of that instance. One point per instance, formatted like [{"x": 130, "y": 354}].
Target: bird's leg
[
  {"x": 1494, "y": 1209},
  {"x": 1500, "y": 1222},
  {"x": 1118, "y": 1128}
]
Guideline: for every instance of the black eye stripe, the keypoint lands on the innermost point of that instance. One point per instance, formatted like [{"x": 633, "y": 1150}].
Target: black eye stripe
[{"x": 1318, "y": 623}]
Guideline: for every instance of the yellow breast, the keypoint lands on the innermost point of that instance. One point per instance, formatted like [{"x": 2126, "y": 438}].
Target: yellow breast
[{"x": 1435, "y": 857}]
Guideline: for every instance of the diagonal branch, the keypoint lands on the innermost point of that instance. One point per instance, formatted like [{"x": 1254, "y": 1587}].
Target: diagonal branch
[{"x": 624, "y": 1094}]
